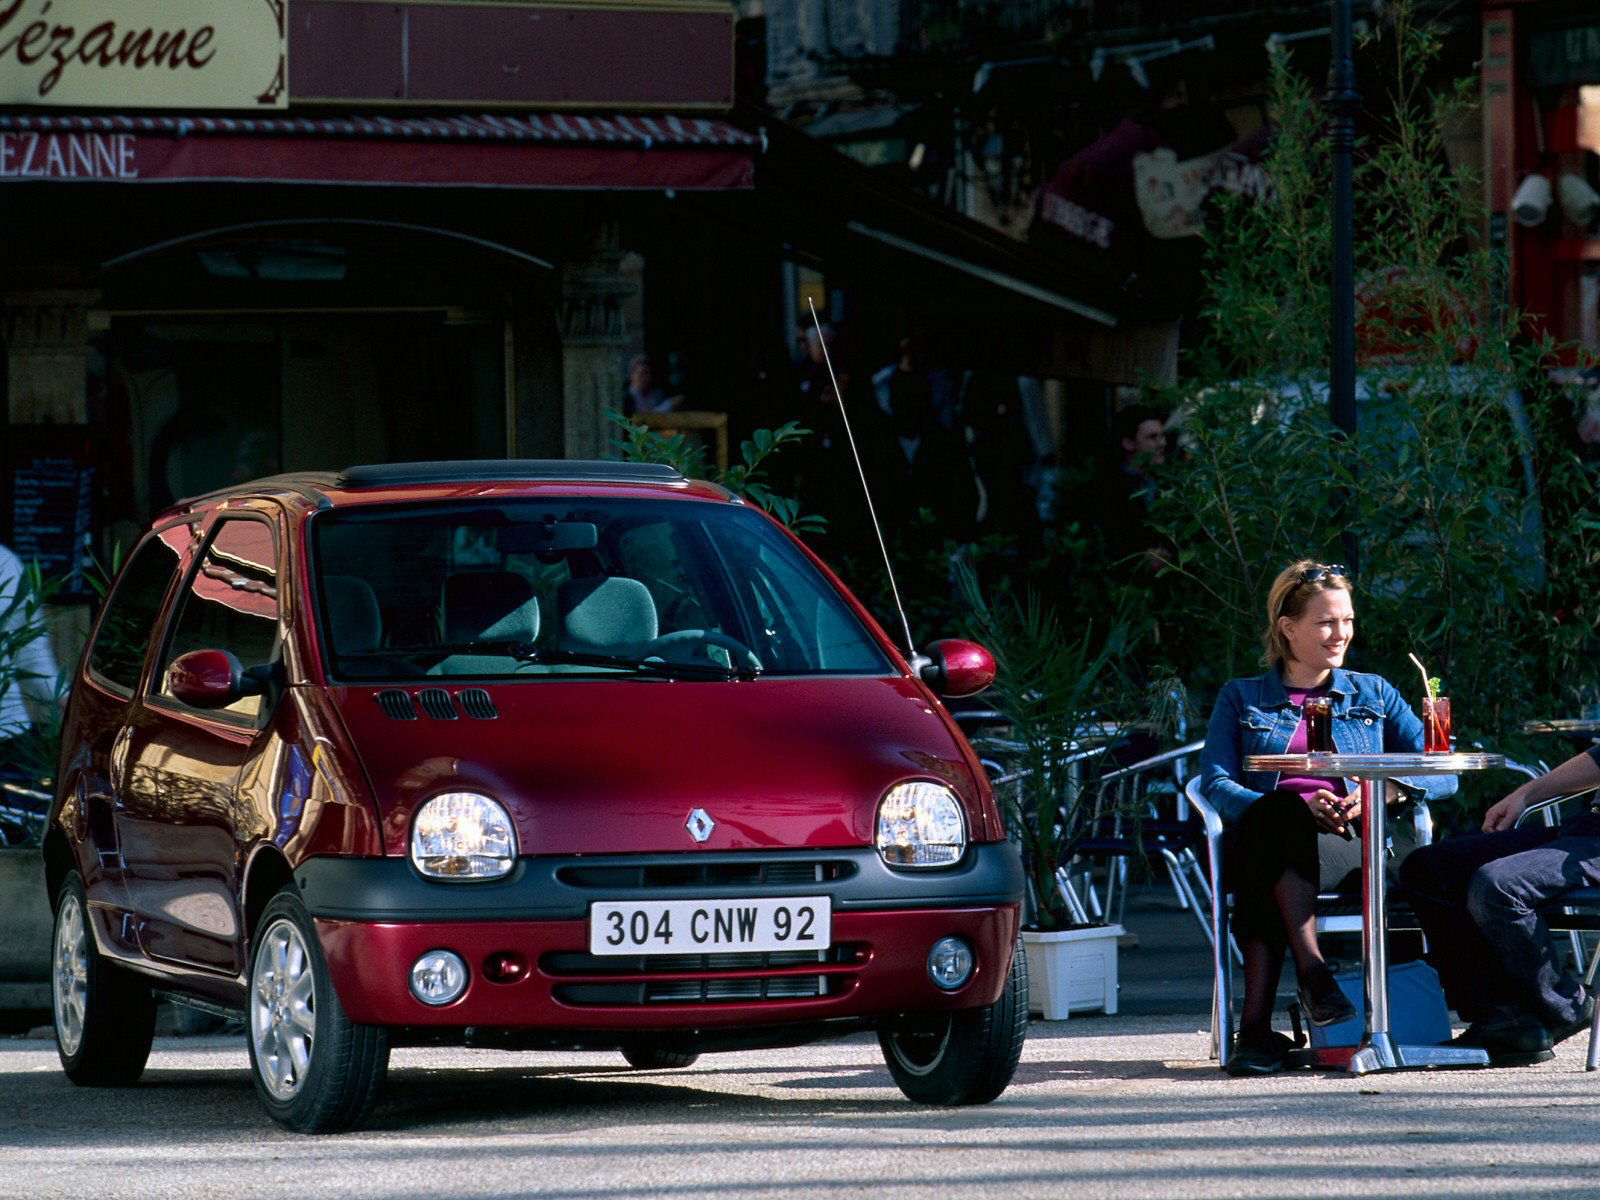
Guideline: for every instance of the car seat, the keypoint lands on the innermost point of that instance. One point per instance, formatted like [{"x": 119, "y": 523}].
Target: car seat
[
  {"x": 606, "y": 615},
  {"x": 354, "y": 618},
  {"x": 486, "y": 606}
]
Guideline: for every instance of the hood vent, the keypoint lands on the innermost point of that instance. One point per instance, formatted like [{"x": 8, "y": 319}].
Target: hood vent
[
  {"x": 475, "y": 702},
  {"x": 396, "y": 705},
  {"x": 437, "y": 704}
]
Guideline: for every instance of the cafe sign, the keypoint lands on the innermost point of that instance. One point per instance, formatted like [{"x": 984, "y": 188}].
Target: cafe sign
[{"x": 174, "y": 54}]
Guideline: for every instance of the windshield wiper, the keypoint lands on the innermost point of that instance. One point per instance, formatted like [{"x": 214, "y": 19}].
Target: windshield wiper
[
  {"x": 651, "y": 666},
  {"x": 529, "y": 653}
]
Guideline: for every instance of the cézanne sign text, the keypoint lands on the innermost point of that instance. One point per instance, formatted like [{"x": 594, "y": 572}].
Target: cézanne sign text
[{"x": 174, "y": 54}]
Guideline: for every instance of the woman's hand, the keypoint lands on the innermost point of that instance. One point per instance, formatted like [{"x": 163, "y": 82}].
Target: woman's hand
[
  {"x": 1352, "y": 812},
  {"x": 1329, "y": 810}
]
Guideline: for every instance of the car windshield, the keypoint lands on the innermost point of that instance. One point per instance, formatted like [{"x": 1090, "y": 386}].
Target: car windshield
[{"x": 577, "y": 586}]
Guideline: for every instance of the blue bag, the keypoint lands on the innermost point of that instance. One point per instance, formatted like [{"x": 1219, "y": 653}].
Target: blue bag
[{"x": 1418, "y": 1014}]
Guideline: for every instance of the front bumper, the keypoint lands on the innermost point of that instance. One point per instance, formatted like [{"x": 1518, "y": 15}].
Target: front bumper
[
  {"x": 377, "y": 916},
  {"x": 886, "y": 972}
]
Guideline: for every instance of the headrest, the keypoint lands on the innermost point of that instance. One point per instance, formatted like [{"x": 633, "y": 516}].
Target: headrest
[
  {"x": 489, "y": 605},
  {"x": 353, "y": 613},
  {"x": 614, "y": 611}
]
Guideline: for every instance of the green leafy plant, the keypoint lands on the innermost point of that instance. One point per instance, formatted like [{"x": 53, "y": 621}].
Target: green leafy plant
[
  {"x": 31, "y": 755},
  {"x": 748, "y": 478},
  {"x": 1051, "y": 686},
  {"x": 34, "y": 754},
  {"x": 1472, "y": 518}
]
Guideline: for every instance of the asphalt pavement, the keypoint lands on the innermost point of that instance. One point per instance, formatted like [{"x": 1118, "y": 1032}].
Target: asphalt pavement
[
  {"x": 1112, "y": 1107},
  {"x": 1124, "y": 1106}
]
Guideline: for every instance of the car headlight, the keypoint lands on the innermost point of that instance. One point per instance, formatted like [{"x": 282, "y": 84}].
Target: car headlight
[
  {"x": 462, "y": 835},
  {"x": 920, "y": 825}
]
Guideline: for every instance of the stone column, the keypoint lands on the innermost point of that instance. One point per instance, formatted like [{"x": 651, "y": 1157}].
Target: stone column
[
  {"x": 46, "y": 335},
  {"x": 600, "y": 298}
]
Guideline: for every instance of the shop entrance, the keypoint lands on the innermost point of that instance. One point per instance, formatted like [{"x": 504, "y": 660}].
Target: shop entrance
[{"x": 214, "y": 400}]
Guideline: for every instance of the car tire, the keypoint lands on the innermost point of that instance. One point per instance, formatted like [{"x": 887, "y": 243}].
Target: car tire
[
  {"x": 315, "y": 1070},
  {"x": 105, "y": 1016},
  {"x": 650, "y": 1056},
  {"x": 962, "y": 1057}
]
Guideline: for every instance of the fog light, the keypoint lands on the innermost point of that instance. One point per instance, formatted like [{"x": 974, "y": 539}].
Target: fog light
[
  {"x": 950, "y": 963},
  {"x": 438, "y": 977}
]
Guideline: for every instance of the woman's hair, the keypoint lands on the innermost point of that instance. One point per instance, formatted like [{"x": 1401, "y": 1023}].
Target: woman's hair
[{"x": 1291, "y": 591}]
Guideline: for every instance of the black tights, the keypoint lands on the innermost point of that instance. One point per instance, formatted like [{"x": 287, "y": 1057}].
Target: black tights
[{"x": 1272, "y": 865}]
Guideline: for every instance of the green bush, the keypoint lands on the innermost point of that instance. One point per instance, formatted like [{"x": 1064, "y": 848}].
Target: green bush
[{"x": 1488, "y": 580}]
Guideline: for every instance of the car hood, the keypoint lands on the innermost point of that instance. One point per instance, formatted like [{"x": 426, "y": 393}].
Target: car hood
[{"x": 617, "y": 766}]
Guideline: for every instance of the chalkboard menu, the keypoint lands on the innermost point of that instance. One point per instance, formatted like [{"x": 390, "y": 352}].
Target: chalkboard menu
[{"x": 50, "y": 489}]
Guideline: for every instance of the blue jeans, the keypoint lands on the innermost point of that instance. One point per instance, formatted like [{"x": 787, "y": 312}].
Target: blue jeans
[{"x": 1477, "y": 898}]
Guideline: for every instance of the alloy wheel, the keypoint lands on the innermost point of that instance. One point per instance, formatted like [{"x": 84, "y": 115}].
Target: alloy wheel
[
  {"x": 283, "y": 1019},
  {"x": 69, "y": 975}
]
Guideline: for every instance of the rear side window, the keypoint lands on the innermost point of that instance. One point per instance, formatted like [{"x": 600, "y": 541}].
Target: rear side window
[
  {"x": 231, "y": 604},
  {"x": 134, "y": 607}
]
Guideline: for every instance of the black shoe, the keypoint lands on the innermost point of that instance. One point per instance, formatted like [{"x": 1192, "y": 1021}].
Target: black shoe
[
  {"x": 1517, "y": 1043},
  {"x": 1560, "y": 1033},
  {"x": 1260, "y": 1054},
  {"x": 1322, "y": 1001}
]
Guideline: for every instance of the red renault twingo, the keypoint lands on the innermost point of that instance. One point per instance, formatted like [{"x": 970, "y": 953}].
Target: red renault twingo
[{"x": 518, "y": 754}]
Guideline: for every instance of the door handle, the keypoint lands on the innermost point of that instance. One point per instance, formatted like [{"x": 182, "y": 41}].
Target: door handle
[{"x": 120, "y": 748}]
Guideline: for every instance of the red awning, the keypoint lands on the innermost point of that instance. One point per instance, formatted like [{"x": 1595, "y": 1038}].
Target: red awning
[{"x": 527, "y": 151}]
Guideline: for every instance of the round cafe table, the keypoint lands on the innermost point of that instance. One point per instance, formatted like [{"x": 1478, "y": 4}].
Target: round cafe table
[
  {"x": 1378, "y": 1050},
  {"x": 1572, "y": 726}
]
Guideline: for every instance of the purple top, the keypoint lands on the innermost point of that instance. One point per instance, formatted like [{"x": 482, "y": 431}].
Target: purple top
[{"x": 1305, "y": 785}]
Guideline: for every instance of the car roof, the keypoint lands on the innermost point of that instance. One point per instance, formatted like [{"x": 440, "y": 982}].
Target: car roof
[{"x": 468, "y": 479}]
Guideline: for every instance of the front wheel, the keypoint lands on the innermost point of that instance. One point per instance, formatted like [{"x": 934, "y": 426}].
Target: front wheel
[
  {"x": 105, "y": 1016},
  {"x": 965, "y": 1057},
  {"x": 315, "y": 1070}
]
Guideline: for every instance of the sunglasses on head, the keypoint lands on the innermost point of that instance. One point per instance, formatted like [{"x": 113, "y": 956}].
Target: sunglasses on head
[{"x": 1312, "y": 574}]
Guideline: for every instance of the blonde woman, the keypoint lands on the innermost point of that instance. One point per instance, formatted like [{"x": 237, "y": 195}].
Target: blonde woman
[{"x": 1289, "y": 835}]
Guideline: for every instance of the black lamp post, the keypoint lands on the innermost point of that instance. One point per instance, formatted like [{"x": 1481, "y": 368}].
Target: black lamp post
[{"x": 1343, "y": 100}]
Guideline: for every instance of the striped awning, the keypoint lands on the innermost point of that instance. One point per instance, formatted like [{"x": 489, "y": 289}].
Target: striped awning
[{"x": 530, "y": 150}]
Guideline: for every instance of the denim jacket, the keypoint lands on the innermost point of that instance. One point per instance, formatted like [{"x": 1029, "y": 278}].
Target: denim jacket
[{"x": 1255, "y": 716}]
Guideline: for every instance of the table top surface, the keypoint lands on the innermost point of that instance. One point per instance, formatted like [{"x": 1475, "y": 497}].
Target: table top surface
[
  {"x": 1374, "y": 766},
  {"x": 1580, "y": 725}
]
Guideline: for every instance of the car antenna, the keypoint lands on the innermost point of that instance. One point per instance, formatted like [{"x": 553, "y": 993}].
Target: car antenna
[{"x": 916, "y": 659}]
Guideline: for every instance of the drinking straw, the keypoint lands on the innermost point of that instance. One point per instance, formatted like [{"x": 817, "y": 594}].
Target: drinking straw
[{"x": 1427, "y": 687}]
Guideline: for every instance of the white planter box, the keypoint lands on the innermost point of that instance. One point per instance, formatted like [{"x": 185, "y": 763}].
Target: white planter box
[{"x": 1072, "y": 970}]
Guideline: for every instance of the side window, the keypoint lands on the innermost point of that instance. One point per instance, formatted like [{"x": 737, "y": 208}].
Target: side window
[
  {"x": 231, "y": 604},
  {"x": 134, "y": 608}
]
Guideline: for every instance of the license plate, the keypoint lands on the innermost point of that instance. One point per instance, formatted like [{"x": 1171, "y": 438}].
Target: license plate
[{"x": 710, "y": 926}]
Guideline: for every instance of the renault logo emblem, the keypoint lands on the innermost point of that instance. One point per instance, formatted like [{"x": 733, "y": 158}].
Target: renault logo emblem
[{"x": 700, "y": 825}]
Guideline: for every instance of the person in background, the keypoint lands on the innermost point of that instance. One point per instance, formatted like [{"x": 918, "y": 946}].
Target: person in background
[
  {"x": 1124, "y": 493},
  {"x": 27, "y": 666},
  {"x": 1478, "y": 899},
  {"x": 1287, "y": 835},
  {"x": 641, "y": 393},
  {"x": 916, "y": 464}
]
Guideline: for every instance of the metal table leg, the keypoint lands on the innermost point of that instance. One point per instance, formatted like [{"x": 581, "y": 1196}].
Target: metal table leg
[{"x": 1378, "y": 1051}]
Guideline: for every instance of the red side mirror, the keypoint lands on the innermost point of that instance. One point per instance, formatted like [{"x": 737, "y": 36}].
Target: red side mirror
[
  {"x": 206, "y": 679},
  {"x": 959, "y": 668}
]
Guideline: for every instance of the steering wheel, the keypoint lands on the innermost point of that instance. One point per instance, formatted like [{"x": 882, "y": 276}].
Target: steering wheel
[{"x": 740, "y": 654}]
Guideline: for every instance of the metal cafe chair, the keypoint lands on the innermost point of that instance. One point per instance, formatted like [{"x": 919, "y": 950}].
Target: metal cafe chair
[
  {"x": 1574, "y": 912},
  {"x": 1336, "y": 913},
  {"x": 1173, "y": 838}
]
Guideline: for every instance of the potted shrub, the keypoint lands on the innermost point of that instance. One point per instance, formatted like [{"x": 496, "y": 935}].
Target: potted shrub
[{"x": 1054, "y": 691}]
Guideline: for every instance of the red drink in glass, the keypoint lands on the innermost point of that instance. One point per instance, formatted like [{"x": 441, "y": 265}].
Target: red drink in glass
[
  {"x": 1436, "y": 724},
  {"x": 1319, "y": 725}
]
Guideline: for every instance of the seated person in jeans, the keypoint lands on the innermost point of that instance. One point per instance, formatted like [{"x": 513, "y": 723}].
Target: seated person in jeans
[
  {"x": 1288, "y": 836},
  {"x": 1477, "y": 897}
]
